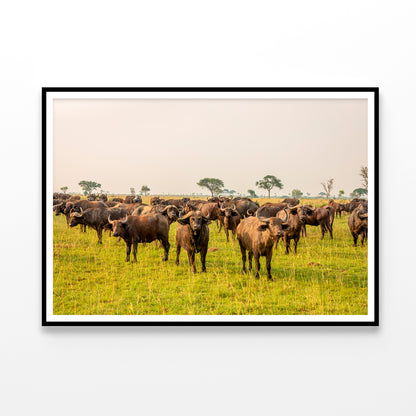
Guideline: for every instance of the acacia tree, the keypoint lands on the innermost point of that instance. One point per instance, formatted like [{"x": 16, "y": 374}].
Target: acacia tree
[
  {"x": 297, "y": 193},
  {"x": 341, "y": 194},
  {"x": 145, "y": 190},
  {"x": 356, "y": 193},
  {"x": 64, "y": 189},
  {"x": 89, "y": 186},
  {"x": 364, "y": 175},
  {"x": 252, "y": 193},
  {"x": 269, "y": 182},
  {"x": 214, "y": 185},
  {"x": 328, "y": 187}
]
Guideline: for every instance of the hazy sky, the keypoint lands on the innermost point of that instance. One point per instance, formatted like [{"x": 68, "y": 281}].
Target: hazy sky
[{"x": 170, "y": 145}]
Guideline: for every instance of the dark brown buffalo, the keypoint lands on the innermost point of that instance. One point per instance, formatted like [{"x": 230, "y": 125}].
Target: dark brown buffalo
[
  {"x": 74, "y": 198},
  {"x": 179, "y": 203},
  {"x": 257, "y": 235},
  {"x": 84, "y": 204},
  {"x": 60, "y": 195},
  {"x": 319, "y": 216},
  {"x": 296, "y": 221},
  {"x": 193, "y": 235},
  {"x": 133, "y": 199},
  {"x": 171, "y": 212},
  {"x": 129, "y": 207},
  {"x": 358, "y": 223},
  {"x": 155, "y": 200},
  {"x": 117, "y": 200},
  {"x": 350, "y": 206},
  {"x": 60, "y": 209},
  {"x": 229, "y": 219},
  {"x": 331, "y": 211},
  {"x": 142, "y": 229},
  {"x": 291, "y": 201},
  {"x": 245, "y": 206},
  {"x": 194, "y": 205},
  {"x": 111, "y": 204},
  {"x": 103, "y": 197},
  {"x": 269, "y": 209},
  {"x": 96, "y": 218},
  {"x": 92, "y": 197}
]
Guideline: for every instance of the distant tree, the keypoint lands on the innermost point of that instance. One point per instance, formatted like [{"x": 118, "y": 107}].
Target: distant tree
[
  {"x": 341, "y": 194},
  {"x": 64, "y": 189},
  {"x": 268, "y": 183},
  {"x": 132, "y": 191},
  {"x": 322, "y": 194},
  {"x": 308, "y": 194},
  {"x": 89, "y": 186},
  {"x": 364, "y": 175},
  {"x": 231, "y": 192},
  {"x": 145, "y": 190},
  {"x": 251, "y": 193},
  {"x": 328, "y": 187},
  {"x": 297, "y": 193},
  {"x": 214, "y": 185},
  {"x": 356, "y": 193}
]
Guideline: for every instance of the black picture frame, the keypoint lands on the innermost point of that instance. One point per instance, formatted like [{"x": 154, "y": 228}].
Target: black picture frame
[{"x": 47, "y": 322}]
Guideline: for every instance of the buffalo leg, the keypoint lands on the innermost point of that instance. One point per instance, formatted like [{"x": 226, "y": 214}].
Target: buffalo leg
[
  {"x": 166, "y": 246},
  {"x": 243, "y": 258},
  {"x": 323, "y": 231},
  {"x": 362, "y": 238},
  {"x": 233, "y": 234},
  {"x": 250, "y": 261},
  {"x": 355, "y": 238},
  {"x": 226, "y": 233},
  {"x": 100, "y": 234},
  {"x": 178, "y": 252},
  {"x": 192, "y": 263},
  {"x": 134, "y": 252},
  {"x": 295, "y": 243},
  {"x": 128, "y": 249},
  {"x": 286, "y": 239},
  {"x": 203, "y": 257},
  {"x": 257, "y": 262},
  {"x": 330, "y": 231},
  {"x": 303, "y": 230},
  {"x": 269, "y": 263}
]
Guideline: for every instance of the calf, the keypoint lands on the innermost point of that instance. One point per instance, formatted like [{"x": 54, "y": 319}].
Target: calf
[
  {"x": 229, "y": 219},
  {"x": 358, "y": 223},
  {"x": 257, "y": 235},
  {"x": 193, "y": 235},
  {"x": 142, "y": 229}
]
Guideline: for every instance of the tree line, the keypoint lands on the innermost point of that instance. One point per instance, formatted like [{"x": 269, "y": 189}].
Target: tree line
[{"x": 216, "y": 187}]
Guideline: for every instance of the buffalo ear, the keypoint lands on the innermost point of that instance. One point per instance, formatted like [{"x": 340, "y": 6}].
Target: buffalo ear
[
  {"x": 183, "y": 222},
  {"x": 285, "y": 227},
  {"x": 262, "y": 227}
]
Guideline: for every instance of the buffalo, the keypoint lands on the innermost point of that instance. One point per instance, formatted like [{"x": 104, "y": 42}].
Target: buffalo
[
  {"x": 257, "y": 235},
  {"x": 193, "y": 235},
  {"x": 296, "y": 221},
  {"x": 319, "y": 216},
  {"x": 96, "y": 218},
  {"x": 269, "y": 209},
  {"x": 358, "y": 223},
  {"x": 229, "y": 219},
  {"x": 142, "y": 229}
]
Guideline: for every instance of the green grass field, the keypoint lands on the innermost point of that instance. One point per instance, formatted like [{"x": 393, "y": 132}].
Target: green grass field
[{"x": 326, "y": 277}]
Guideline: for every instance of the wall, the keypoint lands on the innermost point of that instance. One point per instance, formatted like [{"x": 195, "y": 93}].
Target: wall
[{"x": 314, "y": 371}]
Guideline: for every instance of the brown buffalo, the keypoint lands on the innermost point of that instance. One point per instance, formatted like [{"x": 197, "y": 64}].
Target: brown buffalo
[
  {"x": 229, "y": 219},
  {"x": 129, "y": 207},
  {"x": 193, "y": 235},
  {"x": 291, "y": 201},
  {"x": 269, "y": 209},
  {"x": 142, "y": 229},
  {"x": 319, "y": 216},
  {"x": 117, "y": 200},
  {"x": 257, "y": 235},
  {"x": 296, "y": 221},
  {"x": 96, "y": 218},
  {"x": 358, "y": 223}
]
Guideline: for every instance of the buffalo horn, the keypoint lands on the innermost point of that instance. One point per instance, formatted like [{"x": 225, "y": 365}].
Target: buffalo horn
[
  {"x": 125, "y": 219},
  {"x": 283, "y": 221},
  {"x": 109, "y": 220},
  {"x": 263, "y": 219}
]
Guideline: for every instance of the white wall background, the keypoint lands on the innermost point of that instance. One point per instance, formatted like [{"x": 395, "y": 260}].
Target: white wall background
[{"x": 193, "y": 371}]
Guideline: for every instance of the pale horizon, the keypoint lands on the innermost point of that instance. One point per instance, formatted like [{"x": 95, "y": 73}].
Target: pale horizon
[{"x": 169, "y": 145}]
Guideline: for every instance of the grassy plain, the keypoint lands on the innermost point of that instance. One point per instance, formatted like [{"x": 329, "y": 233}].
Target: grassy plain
[{"x": 326, "y": 277}]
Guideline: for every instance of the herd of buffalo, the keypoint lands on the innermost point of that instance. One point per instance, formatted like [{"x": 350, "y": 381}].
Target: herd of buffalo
[{"x": 258, "y": 228}]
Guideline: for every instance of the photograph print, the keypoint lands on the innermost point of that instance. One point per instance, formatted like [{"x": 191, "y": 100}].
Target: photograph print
[{"x": 210, "y": 206}]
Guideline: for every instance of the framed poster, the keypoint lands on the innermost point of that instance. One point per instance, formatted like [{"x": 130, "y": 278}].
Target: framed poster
[{"x": 210, "y": 206}]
